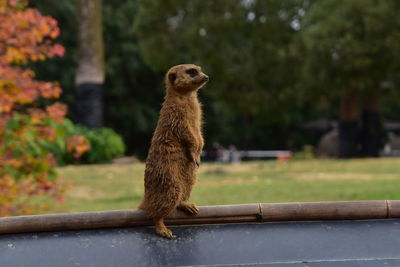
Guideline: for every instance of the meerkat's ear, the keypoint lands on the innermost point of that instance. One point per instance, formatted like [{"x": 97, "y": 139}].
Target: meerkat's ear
[{"x": 172, "y": 77}]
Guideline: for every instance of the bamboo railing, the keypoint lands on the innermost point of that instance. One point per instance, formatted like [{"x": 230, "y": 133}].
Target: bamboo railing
[{"x": 251, "y": 213}]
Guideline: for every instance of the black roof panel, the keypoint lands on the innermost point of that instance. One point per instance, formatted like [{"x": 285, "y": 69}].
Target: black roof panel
[{"x": 314, "y": 244}]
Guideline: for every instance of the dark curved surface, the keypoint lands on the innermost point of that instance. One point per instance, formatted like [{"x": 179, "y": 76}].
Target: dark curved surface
[{"x": 313, "y": 244}]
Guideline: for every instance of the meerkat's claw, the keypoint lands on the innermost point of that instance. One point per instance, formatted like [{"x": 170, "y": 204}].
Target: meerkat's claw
[
  {"x": 189, "y": 208},
  {"x": 192, "y": 158},
  {"x": 194, "y": 210},
  {"x": 165, "y": 232}
]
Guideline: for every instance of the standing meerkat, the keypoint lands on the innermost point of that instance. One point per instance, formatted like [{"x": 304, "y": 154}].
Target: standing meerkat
[{"x": 174, "y": 154}]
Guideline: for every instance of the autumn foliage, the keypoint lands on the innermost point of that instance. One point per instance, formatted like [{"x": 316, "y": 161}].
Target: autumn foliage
[{"x": 30, "y": 119}]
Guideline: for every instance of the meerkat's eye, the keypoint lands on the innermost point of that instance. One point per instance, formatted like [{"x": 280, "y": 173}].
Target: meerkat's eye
[{"x": 192, "y": 72}]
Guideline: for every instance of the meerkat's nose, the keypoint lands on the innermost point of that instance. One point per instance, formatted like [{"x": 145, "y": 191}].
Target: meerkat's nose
[{"x": 206, "y": 78}]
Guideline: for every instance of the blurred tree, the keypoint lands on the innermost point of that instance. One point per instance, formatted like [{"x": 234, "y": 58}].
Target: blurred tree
[
  {"x": 134, "y": 91},
  {"x": 89, "y": 77},
  {"x": 244, "y": 47},
  {"x": 263, "y": 85},
  {"x": 61, "y": 69},
  {"x": 348, "y": 48}
]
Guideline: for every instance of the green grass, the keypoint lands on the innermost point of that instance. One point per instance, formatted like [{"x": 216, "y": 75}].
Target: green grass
[{"x": 108, "y": 187}]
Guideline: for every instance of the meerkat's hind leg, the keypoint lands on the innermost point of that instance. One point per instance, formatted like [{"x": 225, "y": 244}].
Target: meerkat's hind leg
[
  {"x": 161, "y": 229},
  {"x": 188, "y": 208}
]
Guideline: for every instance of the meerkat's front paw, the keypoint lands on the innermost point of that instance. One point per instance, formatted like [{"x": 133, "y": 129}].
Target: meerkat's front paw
[
  {"x": 165, "y": 232},
  {"x": 189, "y": 208}
]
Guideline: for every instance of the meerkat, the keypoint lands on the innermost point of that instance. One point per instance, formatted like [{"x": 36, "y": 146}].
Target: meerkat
[{"x": 175, "y": 149}]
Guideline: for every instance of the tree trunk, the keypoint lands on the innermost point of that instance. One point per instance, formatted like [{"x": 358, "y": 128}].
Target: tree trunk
[
  {"x": 372, "y": 133},
  {"x": 348, "y": 124},
  {"x": 89, "y": 77}
]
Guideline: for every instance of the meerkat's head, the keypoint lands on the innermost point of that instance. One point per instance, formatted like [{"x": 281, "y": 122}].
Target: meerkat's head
[{"x": 185, "y": 78}]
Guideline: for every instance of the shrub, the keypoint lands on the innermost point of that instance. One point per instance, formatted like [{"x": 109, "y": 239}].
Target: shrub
[
  {"x": 72, "y": 143},
  {"x": 105, "y": 143}
]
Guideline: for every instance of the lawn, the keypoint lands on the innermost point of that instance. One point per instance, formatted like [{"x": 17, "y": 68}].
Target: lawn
[{"x": 108, "y": 187}]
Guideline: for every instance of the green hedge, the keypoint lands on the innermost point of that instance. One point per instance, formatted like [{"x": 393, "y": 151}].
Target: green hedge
[{"x": 105, "y": 145}]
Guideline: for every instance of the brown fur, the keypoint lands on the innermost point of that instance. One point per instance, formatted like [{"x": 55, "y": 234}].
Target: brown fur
[{"x": 175, "y": 149}]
